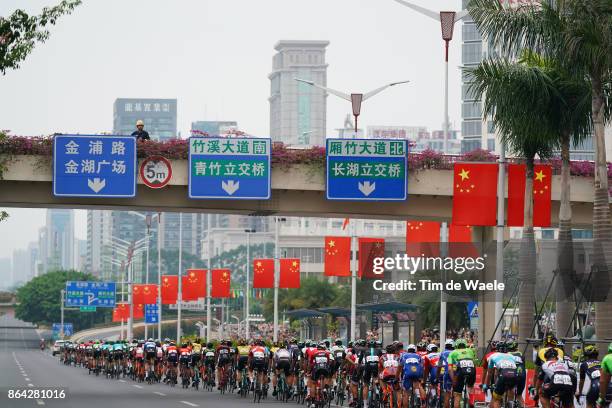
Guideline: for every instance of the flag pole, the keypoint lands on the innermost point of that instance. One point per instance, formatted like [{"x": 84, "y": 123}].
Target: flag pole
[
  {"x": 208, "y": 279},
  {"x": 276, "y": 278},
  {"x": 353, "y": 283},
  {"x": 444, "y": 241},
  {"x": 499, "y": 267},
  {"x": 180, "y": 283}
]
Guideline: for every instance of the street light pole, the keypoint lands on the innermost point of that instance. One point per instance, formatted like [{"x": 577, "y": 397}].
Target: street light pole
[
  {"x": 62, "y": 292},
  {"x": 353, "y": 283},
  {"x": 148, "y": 222},
  {"x": 246, "y": 286},
  {"x": 180, "y": 283},
  {"x": 159, "y": 281},
  {"x": 208, "y": 279},
  {"x": 276, "y": 277}
]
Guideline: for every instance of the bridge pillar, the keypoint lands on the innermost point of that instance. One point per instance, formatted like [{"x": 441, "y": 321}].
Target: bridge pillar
[{"x": 484, "y": 237}]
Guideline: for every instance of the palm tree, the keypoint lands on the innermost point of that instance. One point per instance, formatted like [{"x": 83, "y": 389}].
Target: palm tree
[
  {"x": 546, "y": 28},
  {"x": 517, "y": 96}
]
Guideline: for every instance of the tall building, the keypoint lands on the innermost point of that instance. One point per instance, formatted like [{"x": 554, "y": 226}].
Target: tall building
[
  {"x": 33, "y": 259},
  {"x": 213, "y": 128},
  {"x": 6, "y": 273},
  {"x": 99, "y": 231},
  {"x": 191, "y": 235},
  {"x": 59, "y": 240},
  {"x": 297, "y": 110},
  {"x": 20, "y": 272},
  {"x": 159, "y": 116}
]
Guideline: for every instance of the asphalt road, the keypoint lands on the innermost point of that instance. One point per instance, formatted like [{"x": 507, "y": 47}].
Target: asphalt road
[{"x": 23, "y": 366}]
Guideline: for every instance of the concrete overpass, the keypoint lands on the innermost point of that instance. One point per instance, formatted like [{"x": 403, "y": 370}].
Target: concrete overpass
[{"x": 296, "y": 191}]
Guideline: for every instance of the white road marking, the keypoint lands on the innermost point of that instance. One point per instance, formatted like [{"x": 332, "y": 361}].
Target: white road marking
[
  {"x": 191, "y": 404},
  {"x": 27, "y": 379},
  {"x": 24, "y": 374},
  {"x": 136, "y": 385},
  {"x": 122, "y": 381},
  {"x": 159, "y": 393},
  {"x": 40, "y": 402},
  {"x": 30, "y": 385}
]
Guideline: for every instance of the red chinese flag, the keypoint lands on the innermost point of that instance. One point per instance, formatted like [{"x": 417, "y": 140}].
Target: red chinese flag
[
  {"x": 460, "y": 242},
  {"x": 542, "y": 184},
  {"x": 263, "y": 273},
  {"x": 337, "y": 256},
  {"x": 116, "y": 315},
  {"x": 423, "y": 238},
  {"x": 169, "y": 289},
  {"x": 144, "y": 294},
  {"x": 370, "y": 249},
  {"x": 475, "y": 194},
  {"x": 194, "y": 284},
  {"x": 121, "y": 311},
  {"x": 139, "y": 310},
  {"x": 289, "y": 273},
  {"x": 221, "y": 283}
]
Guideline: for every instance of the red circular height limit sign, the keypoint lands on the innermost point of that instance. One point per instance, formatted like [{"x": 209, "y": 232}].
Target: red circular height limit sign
[{"x": 155, "y": 171}]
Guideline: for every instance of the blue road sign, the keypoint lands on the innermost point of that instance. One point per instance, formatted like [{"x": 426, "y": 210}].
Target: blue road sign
[
  {"x": 94, "y": 166},
  {"x": 57, "y": 328},
  {"x": 98, "y": 294},
  {"x": 229, "y": 168},
  {"x": 367, "y": 170},
  {"x": 151, "y": 314}
]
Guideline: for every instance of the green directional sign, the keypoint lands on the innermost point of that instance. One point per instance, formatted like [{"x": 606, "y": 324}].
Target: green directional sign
[{"x": 87, "y": 308}]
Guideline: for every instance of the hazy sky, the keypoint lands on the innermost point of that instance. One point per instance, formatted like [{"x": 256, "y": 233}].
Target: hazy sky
[{"x": 214, "y": 56}]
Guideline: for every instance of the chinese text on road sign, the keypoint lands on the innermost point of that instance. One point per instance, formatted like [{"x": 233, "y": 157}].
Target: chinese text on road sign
[{"x": 100, "y": 294}]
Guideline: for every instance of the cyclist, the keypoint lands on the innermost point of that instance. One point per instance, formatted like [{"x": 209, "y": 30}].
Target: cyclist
[
  {"x": 550, "y": 341},
  {"x": 223, "y": 360},
  {"x": 209, "y": 354},
  {"x": 296, "y": 356},
  {"x": 353, "y": 371},
  {"x": 139, "y": 355},
  {"x": 242, "y": 357},
  {"x": 282, "y": 361},
  {"x": 259, "y": 356},
  {"x": 521, "y": 371},
  {"x": 605, "y": 391},
  {"x": 172, "y": 358},
  {"x": 388, "y": 367},
  {"x": 150, "y": 349},
  {"x": 431, "y": 367},
  {"x": 554, "y": 380},
  {"x": 117, "y": 350},
  {"x": 485, "y": 367},
  {"x": 196, "y": 357},
  {"x": 368, "y": 364},
  {"x": 444, "y": 372},
  {"x": 462, "y": 370},
  {"x": 319, "y": 363},
  {"x": 422, "y": 348},
  {"x": 411, "y": 374},
  {"x": 590, "y": 372},
  {"x": 338, "y": 353},
  {"x": 185, "y": 359},
  {"x": 502, "y": 372}
]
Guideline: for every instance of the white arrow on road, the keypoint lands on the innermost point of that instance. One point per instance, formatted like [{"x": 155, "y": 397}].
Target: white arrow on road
[
  {"x": 230, "y": 187},
  {"x": 367, "y": 188},
  {"x": 96, "y": 184}
]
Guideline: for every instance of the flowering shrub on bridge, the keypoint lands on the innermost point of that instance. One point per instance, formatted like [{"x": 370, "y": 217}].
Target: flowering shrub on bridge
[{"x": 285, "y": 157}]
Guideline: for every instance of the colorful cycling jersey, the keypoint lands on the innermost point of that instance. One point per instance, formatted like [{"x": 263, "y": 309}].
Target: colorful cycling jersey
[
  {"x": 118, "y": 347},
  {"x": 556, "y": 371},
  {"x": 464, "y": 358},
  {"x": 172, "y": 350},
  {"x": 282, "y": 354},
  {"x": 209, "y": 354},
  {"x": 540, "y": 359},
  {"x": 485, "y": 360},
  {"x": 159, "y": 353},
  {"x": 139, "y": 352},
  {"x": 412, "y": 365},
  {"x": 197, "y": 348},
  {"x": 520, "y": 362},
  {"x": 443, "y": 362},
  {"x": 432, "y": 365},
  {"x": 96, "y": 346},
  {"x": 388, "y": 365},
  {"x": 606, "y": 364},
  {"x": 150, "y": 347},
  {"x": 258, "y": 353},
  {"x": 273, "y": 350},
  {"x": 502, "y": 361},
  {"x": 320, "y": 359},
  {"x": 338, "y": 352},
  {"x": 223, "y": 352},
  {"x": 370, "y": 356},
  {"x": 185, "y": 352},
  {"x": 590, "y": 371},
  {"x": 243, "y": 351}
]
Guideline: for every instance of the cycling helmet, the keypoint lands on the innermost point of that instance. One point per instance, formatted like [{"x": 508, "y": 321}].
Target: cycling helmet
[
  {"x": 432, "y": 348},
  {"x": 172, "y": 343},
  {"x": 561, "y": 344},
  {"x": 301, "y": 344},
  {"x": 551, "y": 353},
  {"x": 494, "y": 344},
  {"x": 350, "y": 344},
  {"x": 411, "y": 348},
  {"x": 228, "y": 343},
  {"x": 399, "y": 345},
  {"x": 591, "y": 350},
  {"x": 390, "y": 348},
  {"x": 150, "y": 339},
  {"x": 460, "y": 343},
  {"x": 183, "y": 345},
  {"x": 327, "y": 343},
  {"x": 421, "y": 346},
  {"x": 158, "y": 344},
  {"x": 209, "y": 345},
  {"x": 502, "y": 347},
  {"x": 166, "y": 340},
  {"x": 322, "y": 345},
  {"x": 512, "y": 345},
  {"x": 378, "y": 343},
  {"x": 550, "y": 341},
  {"x": 338, "y": 342},
  {"x": 371, "y": 343}
]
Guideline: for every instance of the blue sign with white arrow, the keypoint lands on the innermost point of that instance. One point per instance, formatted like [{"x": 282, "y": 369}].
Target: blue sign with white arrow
[
  {"x": 367, "y": 170},
  {"x": 229, "y": 168},
  {"x": 94, "y": 166},
  {"x": 151, "y": 314},
  {"x": 57, "y": 328},
  {"x": 82, "y": 293}
]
